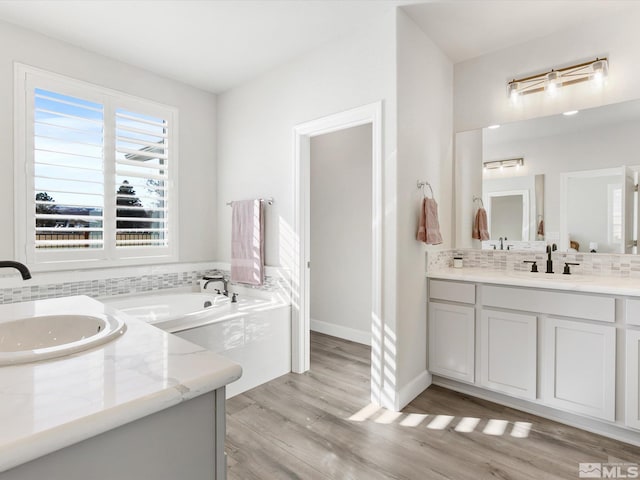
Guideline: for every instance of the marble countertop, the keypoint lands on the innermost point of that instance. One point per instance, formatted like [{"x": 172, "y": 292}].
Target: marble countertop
[
  {"x": 49, "y": 405},
  {"x": 575, "y": 282}
]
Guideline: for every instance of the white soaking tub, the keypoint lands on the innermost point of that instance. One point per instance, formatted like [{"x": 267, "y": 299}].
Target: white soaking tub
[{"x": 254, "y": 332}]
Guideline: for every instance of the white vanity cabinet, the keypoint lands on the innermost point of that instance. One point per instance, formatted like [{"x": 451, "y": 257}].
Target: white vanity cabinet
[
  {"x": 574, "y": 351},
  {"x": 632, "y": 401},
  {"x": 579, "y": 366},
  {"x": 452, "y": 330},
  {"x": 508, "y": 356}
]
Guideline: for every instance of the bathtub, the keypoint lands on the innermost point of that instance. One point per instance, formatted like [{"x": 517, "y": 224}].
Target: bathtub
[{"x": 254, "y": 332}]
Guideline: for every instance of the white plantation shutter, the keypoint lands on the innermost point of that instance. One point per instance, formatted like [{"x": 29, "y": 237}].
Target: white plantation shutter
[
  {"x": 142, "y": 177},
  {"x": 99, "y": 167},
  {"x": 68, "y": 171}
]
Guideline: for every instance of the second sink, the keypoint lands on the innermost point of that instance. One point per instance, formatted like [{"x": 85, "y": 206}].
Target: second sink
[{"x": 37, "y": 337}]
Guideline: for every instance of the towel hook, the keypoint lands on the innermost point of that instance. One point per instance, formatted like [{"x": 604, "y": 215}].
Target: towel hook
[
  {"x": 425, "y": 184},
  {"x": 478, "y": 199}
]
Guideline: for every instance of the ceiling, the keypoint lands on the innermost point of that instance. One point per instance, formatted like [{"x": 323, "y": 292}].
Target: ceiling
[
  {"x": 218, "y": 44},
  {"x": 466, "y": 29}
]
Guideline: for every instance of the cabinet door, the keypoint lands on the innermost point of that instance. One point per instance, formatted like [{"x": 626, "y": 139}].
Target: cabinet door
[
  {"x": 632, "y": 409},
  {"x": 508, "y": 353},
  {"x": 451, "y": 341},
  {"x": 579, "y": 367}
]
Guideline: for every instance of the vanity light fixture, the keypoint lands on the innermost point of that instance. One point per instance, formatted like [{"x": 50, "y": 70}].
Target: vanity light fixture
[
  {"x": 510, "y": 162},
  {"x": 551, "y": 81}
]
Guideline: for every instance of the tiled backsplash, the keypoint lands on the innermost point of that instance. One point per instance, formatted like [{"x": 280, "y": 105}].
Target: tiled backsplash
[
  {"x": 590, "y": 264},
  {"x": 130, "y": 284}
]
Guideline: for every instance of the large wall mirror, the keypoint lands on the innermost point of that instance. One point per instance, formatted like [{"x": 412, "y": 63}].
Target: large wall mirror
[{"x": 578, "y": 174}]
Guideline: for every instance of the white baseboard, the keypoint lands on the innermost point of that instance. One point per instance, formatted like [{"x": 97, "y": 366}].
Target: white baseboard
[
  {"x": 339, "y": 331},
  {"x": 411, "y": 390}
]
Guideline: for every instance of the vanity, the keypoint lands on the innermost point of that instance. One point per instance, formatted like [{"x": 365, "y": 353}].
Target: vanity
[
  {"x": 142, "y": 404},
  {"x": 566, "y": 347}
]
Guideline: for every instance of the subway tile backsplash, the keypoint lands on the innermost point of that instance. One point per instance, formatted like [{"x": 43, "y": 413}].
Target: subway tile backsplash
[{"x": 590, "y": 264}]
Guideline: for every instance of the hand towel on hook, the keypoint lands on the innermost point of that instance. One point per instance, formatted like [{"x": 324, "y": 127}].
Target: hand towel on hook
[
  {"x": 429, "y": 225},
  {"x": 480, "y": 225}
]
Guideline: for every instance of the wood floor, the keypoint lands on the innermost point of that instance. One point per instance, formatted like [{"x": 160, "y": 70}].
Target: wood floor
[{"x": 317, "y": 426}]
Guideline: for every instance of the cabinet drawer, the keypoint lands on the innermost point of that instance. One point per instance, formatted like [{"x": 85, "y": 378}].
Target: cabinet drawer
[
  {"x": 452, "y": 291},
  {"x": 590, "y": 307},
  {"x": 632, "y": 313}
]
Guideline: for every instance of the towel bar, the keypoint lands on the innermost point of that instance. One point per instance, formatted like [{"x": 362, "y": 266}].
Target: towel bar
[{"x": 269, "y": 201}]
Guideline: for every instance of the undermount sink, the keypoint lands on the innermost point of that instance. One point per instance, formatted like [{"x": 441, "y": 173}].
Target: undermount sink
[{"x": 41, "y": 337}]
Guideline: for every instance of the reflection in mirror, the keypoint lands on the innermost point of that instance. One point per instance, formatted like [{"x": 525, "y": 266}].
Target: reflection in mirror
[
  {"x": 508, "y": 215},
  {"x": 593, "y": 139},
  {"x": 598, "y": 210},
  {"x": 512, "y": 207}
]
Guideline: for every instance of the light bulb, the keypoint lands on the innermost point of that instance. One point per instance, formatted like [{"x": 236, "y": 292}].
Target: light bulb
[
  {"x": 600, "y": 72},
  {"x": 512, "y": 90},
  {"x": 552, "y": 83}
]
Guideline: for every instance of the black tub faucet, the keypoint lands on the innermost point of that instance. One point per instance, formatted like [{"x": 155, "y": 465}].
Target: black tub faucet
[
  {"x": 24, "y": 271},
  {"x": 217, "y": 278}
]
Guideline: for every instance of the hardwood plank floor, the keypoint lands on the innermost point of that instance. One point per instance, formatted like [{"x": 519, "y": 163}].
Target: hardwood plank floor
[{"x": 313, "y": 426}]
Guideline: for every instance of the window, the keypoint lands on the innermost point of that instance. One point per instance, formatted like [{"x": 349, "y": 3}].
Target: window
[{"x": 94, "y": 177}]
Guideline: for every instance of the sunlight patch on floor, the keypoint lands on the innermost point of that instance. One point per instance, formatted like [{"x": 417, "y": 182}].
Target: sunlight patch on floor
[
  {"x": 467, "y": 424},
  {"x": 489, "y": 426},
  {"x": 440, "y": 422},
  {"x": 365, "y": 413}
]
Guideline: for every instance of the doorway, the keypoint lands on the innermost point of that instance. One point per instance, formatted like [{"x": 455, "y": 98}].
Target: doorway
[
  {"x": 367, "y": 114},
  {"x": 340, "y": 244}
]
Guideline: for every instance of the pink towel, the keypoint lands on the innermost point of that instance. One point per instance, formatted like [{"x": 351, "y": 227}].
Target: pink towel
[
  {"x": 429, "y": 226},
  {"x": 480, "y": 225},
  {"x": 247, "y": 242}
]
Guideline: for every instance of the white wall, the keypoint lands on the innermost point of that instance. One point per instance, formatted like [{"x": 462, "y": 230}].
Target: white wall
[
  {"x": 256, "y": 123},
  {"x": 480, "y": 97},
  {"x": 255, "y": 159},
  {"x": 197, "y": 127},
  {"x": 425, "y": 143},
  {"x": 255, "y": 138},
  {"x": 341, "y": 234}
]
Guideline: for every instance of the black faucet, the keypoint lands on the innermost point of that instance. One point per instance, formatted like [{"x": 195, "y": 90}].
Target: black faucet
[
  {"x": 501, "y": 244},
  {"x": 549, "y": 261},
  {"x": 24, "y": 271}
]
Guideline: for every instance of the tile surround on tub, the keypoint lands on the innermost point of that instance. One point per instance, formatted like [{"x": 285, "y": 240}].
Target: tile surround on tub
[
  {"x": 601, "y": 264},
  {"x": 109, "y": 282}
]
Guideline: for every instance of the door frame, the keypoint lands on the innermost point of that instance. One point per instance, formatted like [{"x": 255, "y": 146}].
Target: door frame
[{"x": 366, "y": 114}]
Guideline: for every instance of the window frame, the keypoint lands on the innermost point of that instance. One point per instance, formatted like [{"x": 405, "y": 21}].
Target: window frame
[{"x": 28, "y": 78}]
